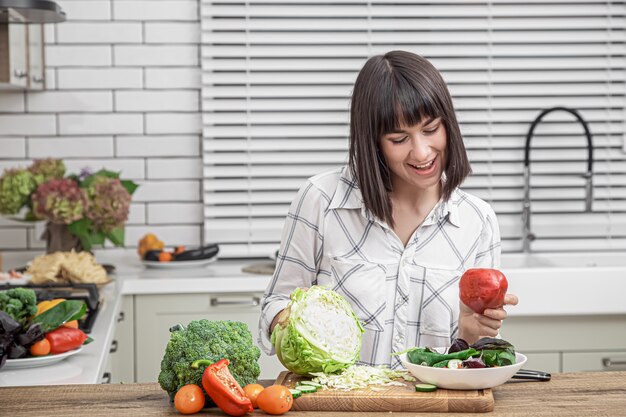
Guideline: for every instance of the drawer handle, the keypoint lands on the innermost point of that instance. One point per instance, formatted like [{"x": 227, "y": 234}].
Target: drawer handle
[
  {"x": 106, "y": 378},
  {"x": 120, "y": 317},
  {"x": 253, "y": 302},
  {"x": 113, "y": 347},
  {"x": 609, "y": 363}
]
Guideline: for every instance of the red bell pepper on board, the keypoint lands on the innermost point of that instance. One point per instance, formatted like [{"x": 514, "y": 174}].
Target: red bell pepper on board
[
  {"x": 65, "y": 338},
  {"x": 224, "y": 390},
  {"x": 482, "y": 288}
]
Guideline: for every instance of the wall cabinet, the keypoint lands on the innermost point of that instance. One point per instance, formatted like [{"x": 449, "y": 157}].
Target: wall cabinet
[{"x": 21, "y": 56}]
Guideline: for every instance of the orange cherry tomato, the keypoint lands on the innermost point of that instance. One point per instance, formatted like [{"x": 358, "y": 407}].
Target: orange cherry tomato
[
  {"x": 179, "y": 249},
  {"x": 252, "y": 391},
  {"x": 73, "y": 324},
  {"x": 275, "y": 399},
  {"x": 41, "y": 348},
  {"x": 189, "y": 399},
  {"x": 165, "y": 256}
]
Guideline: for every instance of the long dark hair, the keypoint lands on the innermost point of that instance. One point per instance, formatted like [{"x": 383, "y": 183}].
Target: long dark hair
[{"x": 398, "y": 87}]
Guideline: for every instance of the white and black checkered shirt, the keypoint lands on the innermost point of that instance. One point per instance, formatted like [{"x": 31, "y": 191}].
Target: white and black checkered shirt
[{"x": 405, "y": 296}]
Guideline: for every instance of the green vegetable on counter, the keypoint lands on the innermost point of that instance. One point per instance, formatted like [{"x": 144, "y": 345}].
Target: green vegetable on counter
[
  {"x": 19, "y": 303},
  {"x": 212, "y": 341},
  {"x": 317, "y": 332}
]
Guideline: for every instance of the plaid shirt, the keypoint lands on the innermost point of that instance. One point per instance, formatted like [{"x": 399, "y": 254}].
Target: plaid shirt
[{"x": 404, "y": 296}]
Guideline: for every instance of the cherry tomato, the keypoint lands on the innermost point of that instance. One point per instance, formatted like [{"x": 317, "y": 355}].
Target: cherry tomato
[
  {"x": 41, "y": 348},
  {"x": 252, "y": 391},
  {"x": 189, "y": 399},
  {"x": 165, "y": 256},
  {"x": 275, "y": 399}
]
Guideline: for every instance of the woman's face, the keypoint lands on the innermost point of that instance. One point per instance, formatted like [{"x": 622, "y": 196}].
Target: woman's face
[{"x": 416, "y": 154}]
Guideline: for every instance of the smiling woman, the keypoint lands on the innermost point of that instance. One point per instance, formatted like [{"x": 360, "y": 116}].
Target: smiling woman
[{"x": 392, "y": 232}]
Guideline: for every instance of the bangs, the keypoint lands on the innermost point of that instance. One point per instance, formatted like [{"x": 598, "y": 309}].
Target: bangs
[{"x": 404, "y": 105}]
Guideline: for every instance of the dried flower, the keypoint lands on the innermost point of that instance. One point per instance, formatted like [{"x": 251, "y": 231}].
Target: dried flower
[
  {"x": 47, "y": 169},
  {"x": 15, "y": 188},
  {"x": 109, "y": 203},
  {"x": 59, "y": 201}
]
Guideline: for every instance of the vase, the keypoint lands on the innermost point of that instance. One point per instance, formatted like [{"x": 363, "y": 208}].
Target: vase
[{"x": 59, "y": 239}]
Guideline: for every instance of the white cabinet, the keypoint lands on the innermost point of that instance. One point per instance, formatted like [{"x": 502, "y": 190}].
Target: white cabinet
[
  {"x": 569, "y": 343},
  {"x": 21, "y": 56},
  {"x": 122, "y": 356},
  {"x": 155, "y": 314}
]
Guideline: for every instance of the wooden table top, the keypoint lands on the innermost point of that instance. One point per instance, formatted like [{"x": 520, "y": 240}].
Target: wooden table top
[{"x": 569, "y": 394}]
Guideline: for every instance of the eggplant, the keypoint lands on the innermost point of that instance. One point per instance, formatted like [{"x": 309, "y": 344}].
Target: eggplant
[
  {"x": 152, "y": 255},
  {"x": 203, "y": 252}
]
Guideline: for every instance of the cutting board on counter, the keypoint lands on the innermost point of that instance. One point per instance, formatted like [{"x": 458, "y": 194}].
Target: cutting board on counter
[{"x": 393, "y": 398}]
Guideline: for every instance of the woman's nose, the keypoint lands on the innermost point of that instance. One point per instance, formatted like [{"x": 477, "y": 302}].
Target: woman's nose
[{"x": 420, "y": 149}]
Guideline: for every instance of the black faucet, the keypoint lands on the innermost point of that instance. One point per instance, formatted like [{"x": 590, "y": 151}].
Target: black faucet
[{"x": 527, "y": 235}]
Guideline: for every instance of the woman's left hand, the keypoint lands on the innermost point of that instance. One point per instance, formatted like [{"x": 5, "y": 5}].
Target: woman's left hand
[{"x": 473, "y": 326}]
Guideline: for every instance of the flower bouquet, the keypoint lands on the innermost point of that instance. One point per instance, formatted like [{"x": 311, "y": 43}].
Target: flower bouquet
[{"x": 89, "y": 207}]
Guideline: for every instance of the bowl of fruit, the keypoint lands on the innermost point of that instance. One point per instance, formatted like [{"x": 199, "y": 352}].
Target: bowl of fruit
[{"x": 155, "y": 254}]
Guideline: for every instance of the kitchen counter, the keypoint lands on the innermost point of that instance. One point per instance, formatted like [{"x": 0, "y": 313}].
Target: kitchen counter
[
  {"x": 86, "y": 367},
  {"x": 574, "y": 394}
]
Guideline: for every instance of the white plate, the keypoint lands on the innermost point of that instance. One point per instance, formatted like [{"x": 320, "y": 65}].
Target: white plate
[
  {"x": 179, "y": 264},
  {"x": 38, "y": 361},
  {"x": 465, "y": 379}
]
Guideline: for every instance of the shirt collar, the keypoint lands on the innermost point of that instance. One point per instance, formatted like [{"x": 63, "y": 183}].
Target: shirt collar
[{"x": 348, "y": 196}]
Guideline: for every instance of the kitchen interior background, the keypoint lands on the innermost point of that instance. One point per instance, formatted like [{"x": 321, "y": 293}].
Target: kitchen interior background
[{"x": 221, "y": 110}]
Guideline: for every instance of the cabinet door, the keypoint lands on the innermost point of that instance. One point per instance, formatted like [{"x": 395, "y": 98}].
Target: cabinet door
[
  {"x": 543, "y": 361},
  {"x": 18, "y": 55},
  {"x": 35, "y": 57},
  {"x": 594, "y": 361},
  {"x": 155, "y": 314},
  {"x": 122, "y": 357}
]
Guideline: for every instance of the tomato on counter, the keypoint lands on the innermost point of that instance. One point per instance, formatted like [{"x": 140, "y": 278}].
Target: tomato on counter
[
  {"x": 189, "y": 399},
  {"x": 252, "y": 391},
  {"x": 276, "y": 399}
]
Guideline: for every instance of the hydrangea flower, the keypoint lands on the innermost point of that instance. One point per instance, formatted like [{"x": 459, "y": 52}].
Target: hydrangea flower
[
  {"x": 47, "y": 169},
  {"x": 59, "y": 201},
  {"x": 15, "y": 188},
  {"x": 109, "y": 203}
]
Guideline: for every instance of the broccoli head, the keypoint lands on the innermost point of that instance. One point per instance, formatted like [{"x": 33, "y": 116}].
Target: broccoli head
[
  {"x": 211, "y": 340},
  {"x": 19, "y": 303}
]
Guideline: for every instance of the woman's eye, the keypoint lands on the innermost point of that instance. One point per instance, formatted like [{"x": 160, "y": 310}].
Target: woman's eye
[
  {"x": 432, "y": 130},
  {"x": 399, "y": 140}
]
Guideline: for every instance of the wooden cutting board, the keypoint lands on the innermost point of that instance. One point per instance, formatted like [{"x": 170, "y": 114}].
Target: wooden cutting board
[{"x": 393, "y": 398}]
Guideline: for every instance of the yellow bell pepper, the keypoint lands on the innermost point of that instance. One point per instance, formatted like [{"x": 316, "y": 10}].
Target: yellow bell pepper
[{"x": 48, "y": 304}]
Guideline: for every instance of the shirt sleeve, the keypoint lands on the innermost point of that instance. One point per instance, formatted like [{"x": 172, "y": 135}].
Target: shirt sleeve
[
  {"x": 489, "y": 245},
  {"x": 298, "y": 258}
]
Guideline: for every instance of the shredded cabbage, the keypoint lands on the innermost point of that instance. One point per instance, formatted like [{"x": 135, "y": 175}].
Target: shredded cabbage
[{"x": 362, "y": 376}]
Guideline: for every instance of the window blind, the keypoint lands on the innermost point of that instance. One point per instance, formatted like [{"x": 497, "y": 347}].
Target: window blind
[{"x": 276, "y": 84}]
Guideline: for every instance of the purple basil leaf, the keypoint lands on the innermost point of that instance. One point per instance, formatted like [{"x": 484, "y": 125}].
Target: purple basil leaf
[
  {"x": 458, "y": 345},
  {"x": 474, "y": 363}
]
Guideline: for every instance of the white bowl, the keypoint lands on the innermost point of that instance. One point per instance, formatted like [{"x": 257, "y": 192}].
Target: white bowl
[{"x": 466, "y": 379}]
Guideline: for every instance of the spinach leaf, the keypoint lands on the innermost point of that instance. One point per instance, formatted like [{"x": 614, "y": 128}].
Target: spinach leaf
[{"x": 61, "y": 313}]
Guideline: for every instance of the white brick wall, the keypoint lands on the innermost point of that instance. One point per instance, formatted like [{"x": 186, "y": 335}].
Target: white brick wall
[{"x": 123, "y": 92}]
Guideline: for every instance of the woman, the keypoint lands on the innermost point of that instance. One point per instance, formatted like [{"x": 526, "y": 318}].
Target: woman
[{"x": 392, "y": 232}]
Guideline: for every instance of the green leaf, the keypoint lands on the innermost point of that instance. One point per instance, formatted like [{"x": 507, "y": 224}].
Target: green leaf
[
  {"x": 116, "y": 236},
  {"x": 97, "y": 238},
  {"x": 59, "y": 314},
  {"x": 80, "y": 227},
  {"x": 129, "y": 185}
]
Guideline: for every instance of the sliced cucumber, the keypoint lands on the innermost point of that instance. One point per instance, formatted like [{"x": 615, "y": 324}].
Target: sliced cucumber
[
  {"x": 455, "y": 364},
  {"x": 311, "y": 383},
  {"x": 425, "y": 387},
  {"x": 306, "y": 389},
  {"x": 295, "y": 393}
]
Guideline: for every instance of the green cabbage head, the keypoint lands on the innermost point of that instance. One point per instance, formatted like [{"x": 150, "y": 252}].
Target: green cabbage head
[{"x": 317, "y": 332}]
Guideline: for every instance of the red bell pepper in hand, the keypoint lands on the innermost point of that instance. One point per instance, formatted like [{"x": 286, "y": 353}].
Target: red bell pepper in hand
[
  {"x": 65, "y": 338},
  {"x": 482, "y": 288},
  {"x": 224, "y": 390}
]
